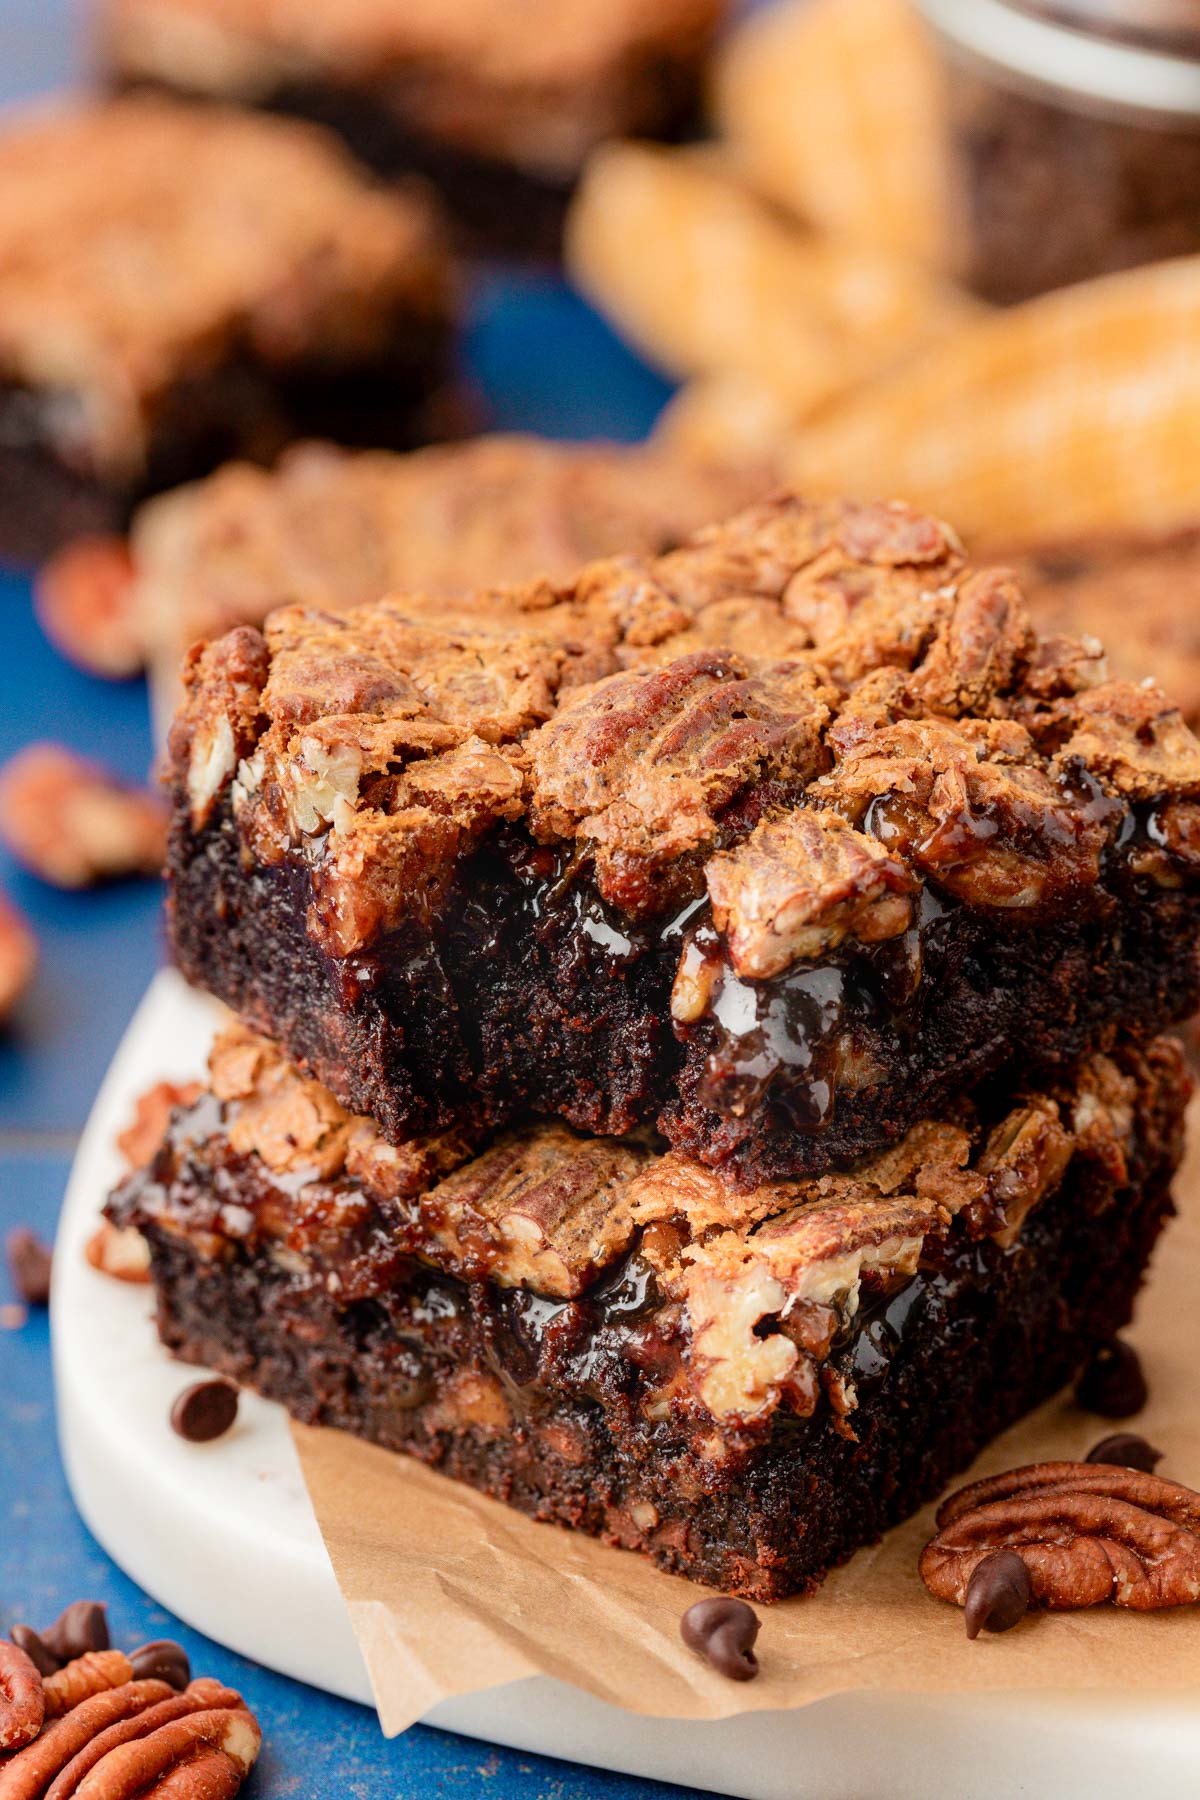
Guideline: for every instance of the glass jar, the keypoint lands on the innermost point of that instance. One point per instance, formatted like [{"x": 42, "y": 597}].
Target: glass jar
[{"x": 1074, "y": 137}]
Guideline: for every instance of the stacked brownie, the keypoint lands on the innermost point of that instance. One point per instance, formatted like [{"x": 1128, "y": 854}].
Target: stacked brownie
[
  {"x": 698, "y": 1074},
  {"x": 179, "y": 285}
]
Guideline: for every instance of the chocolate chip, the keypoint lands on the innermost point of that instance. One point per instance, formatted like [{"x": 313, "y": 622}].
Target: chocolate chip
[
  {"x": 27, "y": 1639},
  {"x": 163, "y": 1660},
  {"x": 205, "y": 1410},
  {"x": 1113, "y": 1384},
  {"x": 723, "y": 1631},
  {"x": 998, "y": 1593},
  {"x": 80, "y": 1627},
  {"x": 29, "y": 1261},
  {"x": 1127, "y": 1451}
]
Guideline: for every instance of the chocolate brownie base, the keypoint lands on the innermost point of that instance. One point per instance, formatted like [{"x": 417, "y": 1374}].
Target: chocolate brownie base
[
  {"x": 543, "y": 1402},
  {"x": 532, "y": 996},
  {"x": 239, "y": 409}
]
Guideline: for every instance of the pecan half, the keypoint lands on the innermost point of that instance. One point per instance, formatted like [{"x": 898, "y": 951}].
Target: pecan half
[
  {"x": 18, "y": 956},
  {"x": 175, "y": 1753},
  {"x": 1087, "y": 1532},
  {"x": 89, "y": 1674},
  {"x": 22, "y": 1698}
]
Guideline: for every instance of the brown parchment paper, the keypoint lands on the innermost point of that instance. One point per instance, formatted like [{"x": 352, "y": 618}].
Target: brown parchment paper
[{"x": 449, "y": 1592}]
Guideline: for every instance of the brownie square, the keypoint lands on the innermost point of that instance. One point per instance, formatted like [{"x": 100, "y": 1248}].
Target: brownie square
[
  {"x": 744, "y": 1387},
  {"x": 779, "y": 842},
  {"x": 498, "y": 105},
  {"x": 333, "y": 529},
  {"x": 179, "y": 285}
]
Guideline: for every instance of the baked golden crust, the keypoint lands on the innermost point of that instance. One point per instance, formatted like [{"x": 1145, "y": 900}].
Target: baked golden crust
[
  {"x": 764, "y": 1279},
  {"x": 339, "y": 529},
  {"x": 539, "y": 83},
  {"x": 902, "y": 692},
  {"x": 142, "y": 241}
]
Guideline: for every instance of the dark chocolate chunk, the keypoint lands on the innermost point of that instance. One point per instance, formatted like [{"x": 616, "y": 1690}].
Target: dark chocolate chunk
[
  {"x": 723, "y": 1633},
  {"x": 29, "y": 1261},
  {"x": 35, "y": 1648},
  {"x": 1127, "y": 1450},
  {"x": 1113, "y": 1384},
  {"x": 162, "y": 1660},
  {"x": 204, "y": 1411},
  {"x": 998, "y": 1594},
  {"x": 80, "y": 1627}
]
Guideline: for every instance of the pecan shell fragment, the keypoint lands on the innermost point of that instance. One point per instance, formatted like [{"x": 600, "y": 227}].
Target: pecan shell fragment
[{"x": 1086, "y": 1532}]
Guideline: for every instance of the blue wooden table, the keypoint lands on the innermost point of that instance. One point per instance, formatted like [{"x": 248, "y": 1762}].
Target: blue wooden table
[{"x": 541, "y": 361}]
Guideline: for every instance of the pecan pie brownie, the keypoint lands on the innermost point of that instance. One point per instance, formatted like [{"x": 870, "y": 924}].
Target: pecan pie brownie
[
  {"x": 498, "y": 104},
  {"x": 183, "y": 284},
  {"x": 744, "y": 1386},
  {"x": 334, "y": 529},
  {"x": 779, "y": 841}
]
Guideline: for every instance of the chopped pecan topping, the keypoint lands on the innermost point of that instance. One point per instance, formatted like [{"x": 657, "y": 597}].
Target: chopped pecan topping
[
  {"x": 1087, "y": 1533},
  {"x": 152, "y": 1114},
  {"x": 656, "y": 712},
  {"x": 642, "y": 765},
  {"x": 86, "y": 603},
  {"x": 800, "y": 885}
]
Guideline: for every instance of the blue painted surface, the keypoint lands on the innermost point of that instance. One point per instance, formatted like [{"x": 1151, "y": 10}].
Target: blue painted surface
[{"x": 539, "y": 361}]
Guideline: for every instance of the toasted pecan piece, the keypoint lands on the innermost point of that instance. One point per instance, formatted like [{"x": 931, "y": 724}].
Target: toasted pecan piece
[
  {"x": 1087, "y": 1532},
  {"x": 86, "y": 603}
]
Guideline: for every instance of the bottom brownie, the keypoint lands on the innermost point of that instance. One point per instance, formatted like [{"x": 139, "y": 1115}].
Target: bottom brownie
[{"x": 747, "y": 1388}]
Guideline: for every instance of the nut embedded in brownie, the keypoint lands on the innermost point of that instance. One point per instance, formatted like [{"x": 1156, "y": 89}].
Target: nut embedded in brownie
[
  {"x": 746, "y": 1387},
  {"x": 782, "y": 840},
  {"x": 498, "y": 105},
  {"x": 184, "y": 284}
]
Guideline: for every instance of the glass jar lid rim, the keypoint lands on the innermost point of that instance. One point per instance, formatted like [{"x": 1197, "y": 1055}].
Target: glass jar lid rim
[{"x": 1065, "y": 56}]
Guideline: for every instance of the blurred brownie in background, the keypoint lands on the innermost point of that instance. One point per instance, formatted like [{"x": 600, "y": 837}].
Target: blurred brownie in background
[
  {"x": 332, "y": 529},
  {"x": 1139, "y": 593},
  {"x": 179, "y": 285},
  {"x": 500, "y": 105}
]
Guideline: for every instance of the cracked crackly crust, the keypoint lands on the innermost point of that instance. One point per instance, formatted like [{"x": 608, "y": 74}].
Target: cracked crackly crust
[
  {"x": 761, "y": 1282},
  {"x": 668, "y": 720},
  {"x": 140, "y": 240}
]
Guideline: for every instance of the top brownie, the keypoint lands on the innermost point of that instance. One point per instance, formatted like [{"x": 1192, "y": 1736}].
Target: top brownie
[
  {"x": 535, "y": 85},
  {"x": 782, "y": 839},
  {"x": 336, "y": 529},
  {"x": 180, "y": 283}
]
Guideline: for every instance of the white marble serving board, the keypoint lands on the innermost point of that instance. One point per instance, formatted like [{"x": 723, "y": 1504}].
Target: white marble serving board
[{"x": 223, "y": 1535}]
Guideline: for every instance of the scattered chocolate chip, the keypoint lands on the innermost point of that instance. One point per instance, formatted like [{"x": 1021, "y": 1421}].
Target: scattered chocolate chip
[
  {"x": 1127, "y": 1450},
  {"x": 80, "y": 1627},
  {"x": 204, "y": 1411},
  {"x": 163, "y": 1660},
  {"x": 43, "y": 1660},
  {"x": 998, "y": 1593},
  {"x": 1113, "y": 1384},
  {"x": 29, "y": 1260},
  {"x": 723, "y": 1632}
]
